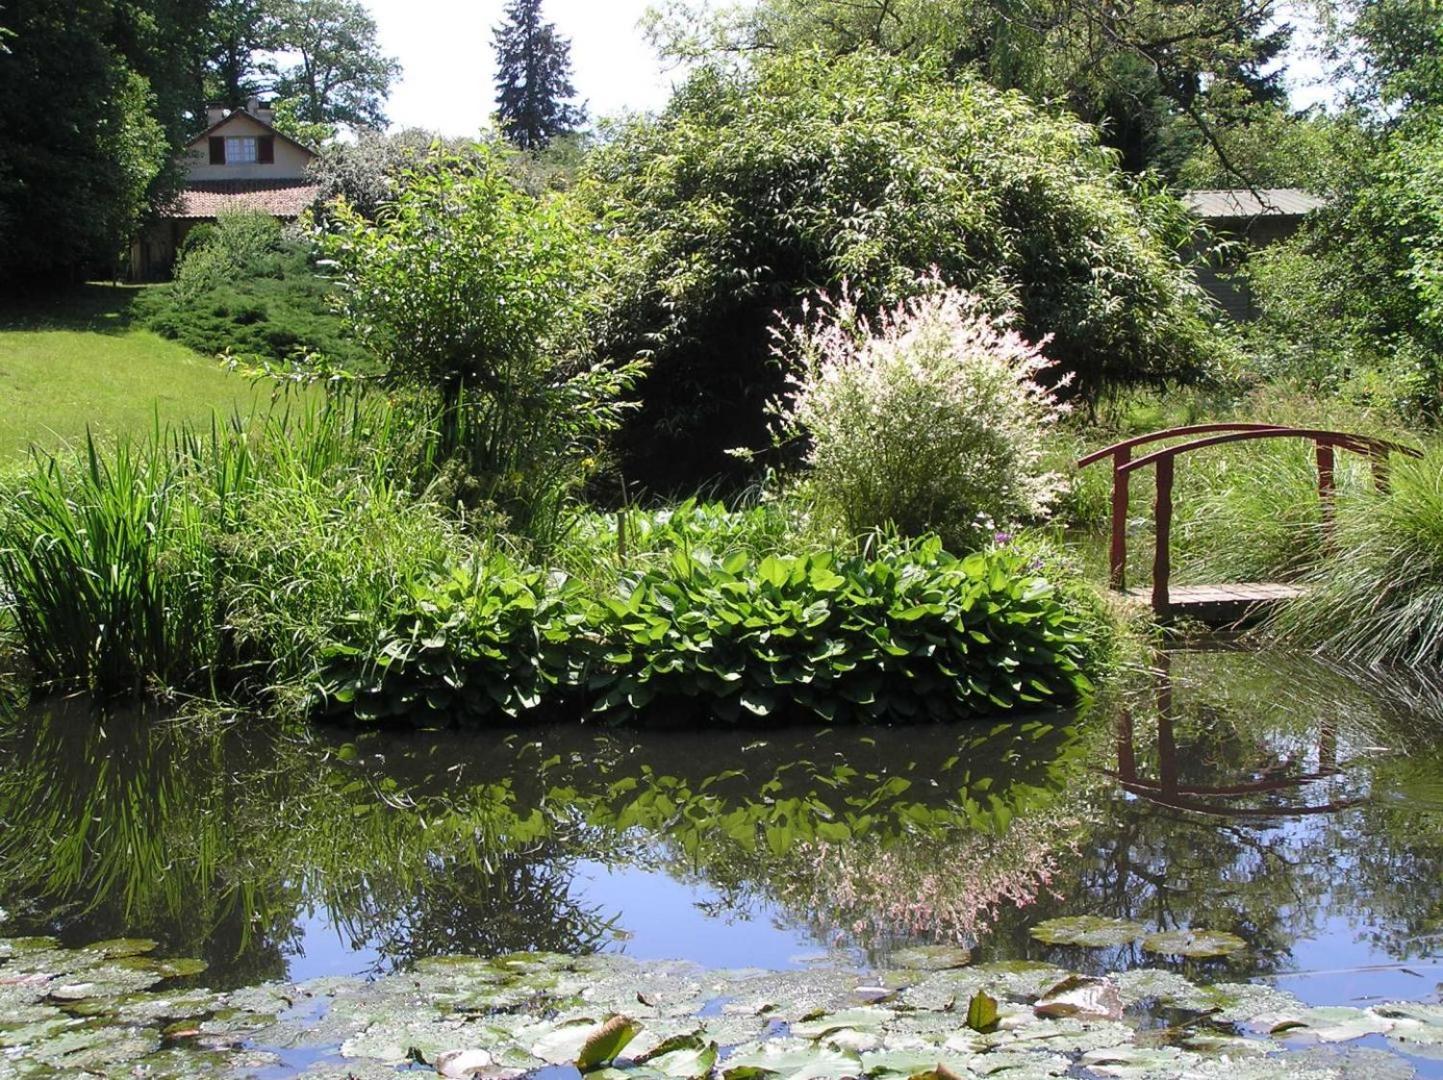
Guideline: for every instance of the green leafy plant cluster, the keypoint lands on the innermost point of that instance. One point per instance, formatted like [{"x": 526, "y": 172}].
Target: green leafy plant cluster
[
  {"x": 245, "y": 287},
  {"x": 755, "y": 188},
  {"x": 909, "y": 634}
]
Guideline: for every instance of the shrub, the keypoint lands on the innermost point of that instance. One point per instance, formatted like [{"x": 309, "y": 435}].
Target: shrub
[
  {"x": 931, "y": 421},
  {"x": 753, "y": 189},
  {"x": 485, "y": 643},
  {"x": 912, "y": 634},
  {"x": 468, "y": 287},
  {"x": 247, "y": 288}
]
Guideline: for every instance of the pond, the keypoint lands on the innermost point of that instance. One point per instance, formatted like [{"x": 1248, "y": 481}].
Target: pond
[{"x": 1283, "y": 818}]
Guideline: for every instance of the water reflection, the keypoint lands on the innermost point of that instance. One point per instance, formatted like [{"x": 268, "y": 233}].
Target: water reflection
[{"x": 1258, "y": 794}]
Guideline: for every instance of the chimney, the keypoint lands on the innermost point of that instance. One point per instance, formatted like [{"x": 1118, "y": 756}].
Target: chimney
[
  {"x": 214, "y": 114},
  {"x": 266, "y": 114}
]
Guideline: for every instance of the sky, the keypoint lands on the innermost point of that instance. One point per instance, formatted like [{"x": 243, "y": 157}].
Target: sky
[
  {"x": 449, "y": 67},
  {"x": 448, "y": 81}
]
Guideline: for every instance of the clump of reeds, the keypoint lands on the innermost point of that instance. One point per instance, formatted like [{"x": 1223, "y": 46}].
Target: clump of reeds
[{"x": 1375, "y": 594}]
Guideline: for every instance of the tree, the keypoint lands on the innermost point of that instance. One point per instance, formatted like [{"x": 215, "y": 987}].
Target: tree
[
  {"x": 339, "y": 75},
  {"x": 1155, "y": 76},
  {"x": 82, "y": 134},
  {"x": 756, "y": 188},
  {"x": 533, "y": 78}
]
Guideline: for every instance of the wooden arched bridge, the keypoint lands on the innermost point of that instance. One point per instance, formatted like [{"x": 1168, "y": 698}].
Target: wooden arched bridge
[{"x": 1217, "y": 603}]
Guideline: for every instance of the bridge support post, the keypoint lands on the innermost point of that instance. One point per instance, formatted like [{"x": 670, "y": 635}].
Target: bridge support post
[
  {"x": 1118, "y": 556},
  {"x": 1326, "y": 489},
  {"x": 1162, "y": 562}
]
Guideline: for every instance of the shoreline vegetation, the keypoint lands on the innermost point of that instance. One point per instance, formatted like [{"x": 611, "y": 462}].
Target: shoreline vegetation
[{"x": 304, "y": 563}]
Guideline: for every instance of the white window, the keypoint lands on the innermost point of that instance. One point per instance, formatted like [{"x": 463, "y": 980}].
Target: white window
[{"x": 240, "y": 150}]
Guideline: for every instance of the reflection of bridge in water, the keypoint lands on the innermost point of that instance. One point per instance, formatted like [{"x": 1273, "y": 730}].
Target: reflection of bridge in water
[{"x": 1218, "y": 800}]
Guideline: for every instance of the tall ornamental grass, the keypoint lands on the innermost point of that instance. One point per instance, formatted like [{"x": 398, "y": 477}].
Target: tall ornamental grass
[
  {"x": 929, "y": 419},
  {"x": 107, "y": 560},
  {"x": 1375, "y": 596},
  {"x": 189, "y": 556}
]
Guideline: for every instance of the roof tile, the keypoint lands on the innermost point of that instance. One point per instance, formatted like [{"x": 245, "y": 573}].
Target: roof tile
[{"x": 279, "y": 198}]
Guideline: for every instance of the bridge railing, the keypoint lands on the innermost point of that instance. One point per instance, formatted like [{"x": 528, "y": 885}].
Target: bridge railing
[{"x": 1124, "y": 465}]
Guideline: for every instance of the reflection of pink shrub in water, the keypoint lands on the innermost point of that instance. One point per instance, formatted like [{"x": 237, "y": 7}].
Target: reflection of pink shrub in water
[{"x": 944, "y": 888}]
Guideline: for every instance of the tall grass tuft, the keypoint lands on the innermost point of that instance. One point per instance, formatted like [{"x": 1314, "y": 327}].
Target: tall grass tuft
[
  {"x": 106, "y": 558},
  {"x": 1376, "y": 596},
  {"x": 170, "y": 560}
]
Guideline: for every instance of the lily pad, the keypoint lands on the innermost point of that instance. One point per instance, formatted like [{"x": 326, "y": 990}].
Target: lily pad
[
  {"x": 931, "y": 957},
  {"x": 607, "y": 1042},
  {"x": 1088, "y": 932},
  {"x": 1081, "y": 996},
  {"x": 1194, "y": 944},
  {"x": 790, "y": 1060}
]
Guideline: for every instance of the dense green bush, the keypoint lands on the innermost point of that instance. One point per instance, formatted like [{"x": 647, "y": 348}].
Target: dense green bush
[
  {"x": 245, "y": 287},
  {"x": 1354, "y": 303},
  {"x": 927, "y": 420},
  {"x": 910, "y": 634},
  {"x": 754, "y": 189},
  {"x": 468, "y": 288}
]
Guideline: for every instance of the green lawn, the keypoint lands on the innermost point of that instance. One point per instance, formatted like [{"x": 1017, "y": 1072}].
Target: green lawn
[{"x": 77, "y": 360}]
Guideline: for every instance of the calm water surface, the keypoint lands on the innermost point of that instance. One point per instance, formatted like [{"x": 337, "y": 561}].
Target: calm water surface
[{"x": 1254, "y": 793}]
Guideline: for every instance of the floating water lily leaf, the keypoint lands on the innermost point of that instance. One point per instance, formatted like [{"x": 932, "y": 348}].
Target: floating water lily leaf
[
  {"x": 604, "y": 1044},
  {"x": 1193, "y": 943},
  {"x": 463, "y": 1064},
  {"x": 885, "y": 1064},
  {"x": 982, "y": 1013},
  {"x": 686, "y": 1064},
  {"x": 931, "y": 957},
  {"x": 179, "y": 968},
  {"x": 1081, "y": 996},
  {"x": 1088, "y": 932},
  {"x": 791, "y": 1061},
  {"x": 118, "y": 947},
  {"x": 560, "y": 1044},
  {"x": 866, "y": 1018}
]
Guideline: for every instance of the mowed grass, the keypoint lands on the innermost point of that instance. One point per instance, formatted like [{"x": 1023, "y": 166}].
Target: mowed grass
[{"x": 76, "y": 361}]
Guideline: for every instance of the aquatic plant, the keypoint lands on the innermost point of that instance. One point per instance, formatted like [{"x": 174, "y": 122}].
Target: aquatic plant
[{"x": 908, "y": 634}]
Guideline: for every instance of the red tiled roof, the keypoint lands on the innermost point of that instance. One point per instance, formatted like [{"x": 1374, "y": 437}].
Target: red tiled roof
[{"x": 279, "y": 198}]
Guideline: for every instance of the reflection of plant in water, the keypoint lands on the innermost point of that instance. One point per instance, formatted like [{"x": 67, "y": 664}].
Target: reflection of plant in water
[
  {"x": 949, "y": 889},
  {"x": 214, "y": 839}
]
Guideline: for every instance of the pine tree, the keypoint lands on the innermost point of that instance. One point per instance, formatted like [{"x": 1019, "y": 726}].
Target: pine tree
[{"x": 533, "y": 78}]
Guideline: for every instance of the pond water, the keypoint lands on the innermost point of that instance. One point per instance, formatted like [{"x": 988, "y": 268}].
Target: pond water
[{"x": 1262, "y": 795}]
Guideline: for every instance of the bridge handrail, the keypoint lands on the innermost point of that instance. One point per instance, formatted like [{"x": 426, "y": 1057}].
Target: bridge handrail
[
  {"x": 1216, "y": 434},
  {"x": 1170, "y": 433},
  {"x": 1359, "y": 444}
]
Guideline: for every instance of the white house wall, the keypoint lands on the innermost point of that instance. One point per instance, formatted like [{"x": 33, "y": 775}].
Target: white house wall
[{"x": 290, "y": 163}]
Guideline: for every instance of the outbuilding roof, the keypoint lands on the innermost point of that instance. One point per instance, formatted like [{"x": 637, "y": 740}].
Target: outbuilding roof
[
  {"x": 1244, "y": 203},
  {"x": 279, "y": 198}
]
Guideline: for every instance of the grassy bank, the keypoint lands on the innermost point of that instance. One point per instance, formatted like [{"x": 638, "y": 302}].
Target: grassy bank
[{"x": 78, "y": 361}]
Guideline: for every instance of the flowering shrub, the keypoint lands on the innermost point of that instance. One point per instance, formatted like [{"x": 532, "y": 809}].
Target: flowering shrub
[{"x": 930, "y": 420}]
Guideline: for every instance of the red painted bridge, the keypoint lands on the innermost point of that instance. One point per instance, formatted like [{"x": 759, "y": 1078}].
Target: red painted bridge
[{"x": 1216, "y": 603}]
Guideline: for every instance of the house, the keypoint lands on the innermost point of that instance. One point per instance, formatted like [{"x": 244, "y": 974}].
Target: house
[
  {"x": 1251, "y": 219},
  {"x": 239, "y": 162}
]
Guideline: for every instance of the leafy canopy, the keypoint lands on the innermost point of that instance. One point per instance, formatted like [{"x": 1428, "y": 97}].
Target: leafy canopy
[
  {"x": 756, "y": 188},
  {"x": 468, "y": 287}
]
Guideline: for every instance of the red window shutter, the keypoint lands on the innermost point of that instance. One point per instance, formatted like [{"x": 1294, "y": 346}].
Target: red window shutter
[
  {"x": 217, "y": 150},
  {"x": 266, "y": 150}
]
